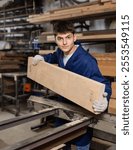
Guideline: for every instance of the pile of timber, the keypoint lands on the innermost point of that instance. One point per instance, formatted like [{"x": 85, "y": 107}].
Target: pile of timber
[
  {"x": 89, "y": 10},
  {"x": 96, "y": 35},
  {"x": 112, "y": 102},
  {"x": 107, "y": 65},
  {"x": 103, "y": 1},
  {"x": 12, "y": 62}
]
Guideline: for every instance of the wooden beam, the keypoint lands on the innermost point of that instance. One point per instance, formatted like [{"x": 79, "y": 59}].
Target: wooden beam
[
  {"x": 45, "y": 52},
  {"x": 98, "y": 35},
  {"x": 107, "y": 68},
  {"x": 106, "y": 63},
  {"x": 74, "y": 13},
  {"x": 80, "y": 90},
  {"x": 112, "y": 101},
  {"x": 113, "y": 84},
  {"x": 105, "y": 56},
  {"x": 112, "y": 106}
]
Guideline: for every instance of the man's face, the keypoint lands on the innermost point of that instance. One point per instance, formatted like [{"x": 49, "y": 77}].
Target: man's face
[{"x": 65, "y": 42}]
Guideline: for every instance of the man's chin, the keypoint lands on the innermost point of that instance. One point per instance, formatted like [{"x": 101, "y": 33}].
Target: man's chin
[{"x": 65, "y": 50}]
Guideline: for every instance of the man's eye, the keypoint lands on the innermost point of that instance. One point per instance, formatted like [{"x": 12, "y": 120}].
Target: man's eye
[
  {"x": 68, "y": 37},
  {"x": 59, "y": 38}
]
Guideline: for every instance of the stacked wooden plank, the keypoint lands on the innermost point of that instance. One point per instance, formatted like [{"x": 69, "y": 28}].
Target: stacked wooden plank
[
  {"x": 103, "y": 1},
  {"x": 96, "y": 35},
  {"x": 91, "y": 9},
  {"x": 9, "y": 86},
  {"x": 45, "y": 52},
  {"x": 112, "y": 102},
  {"x": 11, "y": 62},
  {"x": 106, "y": 63}
]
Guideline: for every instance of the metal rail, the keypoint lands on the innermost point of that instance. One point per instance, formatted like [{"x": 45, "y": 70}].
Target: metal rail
[
  {"x": 29, "y": 117},
  {"x": 58, "y": 135},
  {"x": 55, "y": 136}
]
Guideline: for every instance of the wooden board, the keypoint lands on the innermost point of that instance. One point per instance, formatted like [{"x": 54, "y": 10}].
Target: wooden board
[
  {"x": 81, "y": 90},
  {"x": 106, "y": 63},
  {"x": 75, "y": 12},
  {"x": 112, "y": 106},
  {"x": 45, "y": 52},
  {"x": 12, "y": 62},
  {"x": 107, "y": 69},
  {"x": 113, "y": 84},
  {"x": 112, "y": 102},
  {"x": 98, "y": 35}
]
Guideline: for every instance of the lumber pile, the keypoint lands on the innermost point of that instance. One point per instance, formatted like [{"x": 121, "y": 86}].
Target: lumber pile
[
  {"x": 103, "y": 1},
  {"x": 96, "y": 35},
  {"x": 45, "y": 52},
  {"x": 12, "y": 62},
  {"x": 106, "y": 63},
  {"x": 9, "y": 86},
  {"x": 80, "y": 90},
  {"x": 91, "y": 9},
  {"x": 112, "y": 102}
]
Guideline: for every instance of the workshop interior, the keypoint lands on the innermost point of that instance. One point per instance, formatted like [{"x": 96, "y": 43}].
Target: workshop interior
[{"x": 29, "y": 94}]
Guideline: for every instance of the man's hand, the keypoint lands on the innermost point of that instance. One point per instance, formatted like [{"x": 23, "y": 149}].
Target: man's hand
[
  {"x": 101, "y": 105},
  {"x": 36, "y": 59}
]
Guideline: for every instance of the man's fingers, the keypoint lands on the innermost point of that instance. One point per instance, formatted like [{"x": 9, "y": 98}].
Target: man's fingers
[
  {"x": 100, "y": 105},
  {"x": 36, "y": 59}
]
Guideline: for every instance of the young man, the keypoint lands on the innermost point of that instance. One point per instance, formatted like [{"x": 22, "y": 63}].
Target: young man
[{"x": 74, "y": 58}]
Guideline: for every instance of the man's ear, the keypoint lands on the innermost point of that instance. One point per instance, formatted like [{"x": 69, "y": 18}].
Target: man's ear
[{"x": 75, "y": 37}]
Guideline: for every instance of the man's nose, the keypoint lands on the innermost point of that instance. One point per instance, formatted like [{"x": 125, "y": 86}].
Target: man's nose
[{"x": 64, "y": 41}]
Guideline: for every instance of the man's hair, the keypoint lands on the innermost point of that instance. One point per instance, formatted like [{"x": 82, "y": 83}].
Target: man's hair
[{"x": 63, "y": 27}]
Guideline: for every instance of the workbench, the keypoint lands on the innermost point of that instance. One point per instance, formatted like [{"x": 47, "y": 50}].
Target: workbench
[
  {"x": 78, "y": 119},
  {"x": 17, "y": 81}
]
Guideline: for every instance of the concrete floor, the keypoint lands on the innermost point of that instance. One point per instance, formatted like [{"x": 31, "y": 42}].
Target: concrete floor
[
  {"x": 21, "y": 132},
  {"x": 18, "y": 133}
]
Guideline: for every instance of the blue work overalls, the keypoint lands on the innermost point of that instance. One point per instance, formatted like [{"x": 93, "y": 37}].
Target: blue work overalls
[{"x": 82, "y": 63}]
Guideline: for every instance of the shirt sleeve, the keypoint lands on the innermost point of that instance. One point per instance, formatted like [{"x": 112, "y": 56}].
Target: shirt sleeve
[{"x": 51, "y": 58}]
